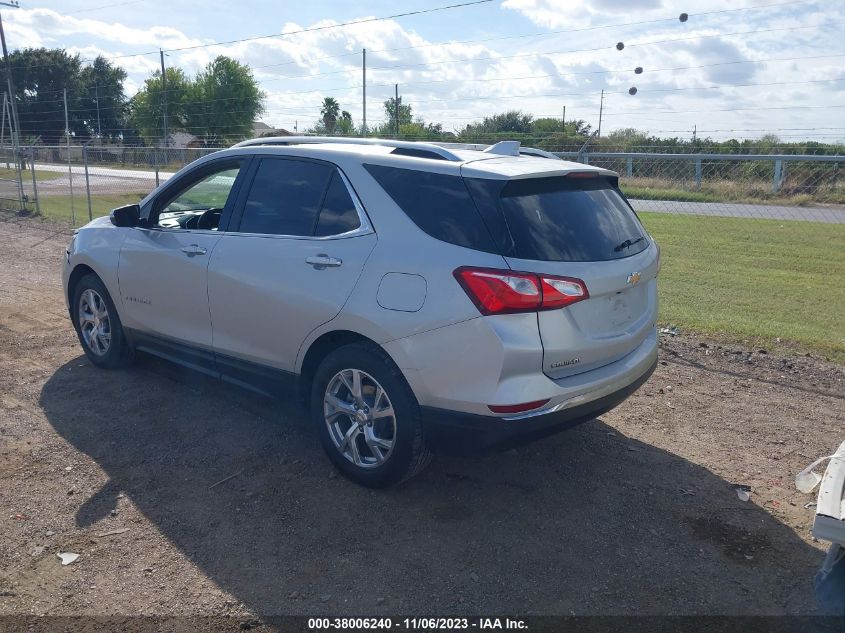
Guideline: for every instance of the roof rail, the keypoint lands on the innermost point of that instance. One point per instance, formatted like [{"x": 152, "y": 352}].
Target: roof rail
[{"x": 438, "y": 150}]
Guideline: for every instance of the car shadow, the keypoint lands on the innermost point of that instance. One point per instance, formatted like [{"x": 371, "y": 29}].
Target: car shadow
[{"x": 588, "y": 521}]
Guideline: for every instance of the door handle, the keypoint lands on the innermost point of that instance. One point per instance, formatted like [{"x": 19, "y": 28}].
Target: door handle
[
  {"x": 194, "y": 249},
  {"x": 322, "y": 261}
]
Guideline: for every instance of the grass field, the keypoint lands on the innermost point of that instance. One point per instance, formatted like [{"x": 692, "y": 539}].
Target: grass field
[
  {"x": 735, "y": 278},
  {"x": 11, "y": 174},
  {"x": 58, "y": 207},
  {"x": 742, "y": 191},
  {"x": 753, "y": 280}
]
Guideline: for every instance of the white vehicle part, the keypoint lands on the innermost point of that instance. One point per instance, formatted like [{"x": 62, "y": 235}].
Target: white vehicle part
[{"x": 830, "y": 506}]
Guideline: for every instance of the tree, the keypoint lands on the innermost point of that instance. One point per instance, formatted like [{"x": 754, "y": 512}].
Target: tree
[
  {"x": 405, "y": 117},
  {"x": 40, "y": 76},
  {"x": 345, "y": 126},
  {"x": 225, "y": 101},
  {"x": 513, "y": 122},
  {"x": 219, "y": 106},
  {"x": 146, "y": 107},
  {"x": 102, "y": 85},
  {"x": 329, "y": 111}
]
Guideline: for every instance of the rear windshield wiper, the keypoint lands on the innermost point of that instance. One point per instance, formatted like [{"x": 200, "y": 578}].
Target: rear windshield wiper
[{"x": 628, "y": 244}]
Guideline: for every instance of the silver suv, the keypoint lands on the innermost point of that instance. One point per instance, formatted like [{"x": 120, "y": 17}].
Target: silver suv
[{"x": 417, "y": 296}]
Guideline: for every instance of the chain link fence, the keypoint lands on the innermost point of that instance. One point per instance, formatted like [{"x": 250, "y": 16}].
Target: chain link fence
[{"x": 752, "y": 245}]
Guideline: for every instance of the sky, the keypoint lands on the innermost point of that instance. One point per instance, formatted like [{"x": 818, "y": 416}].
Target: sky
[{"x": 734, "y": 69}]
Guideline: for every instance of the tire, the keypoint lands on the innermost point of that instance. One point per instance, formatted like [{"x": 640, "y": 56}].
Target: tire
[
  {"x": 356, "y": 432},
  {"x": 101, "y": 335}
]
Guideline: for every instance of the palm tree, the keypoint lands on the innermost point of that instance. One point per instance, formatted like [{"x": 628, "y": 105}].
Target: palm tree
[{"x": 329, "y": 112}]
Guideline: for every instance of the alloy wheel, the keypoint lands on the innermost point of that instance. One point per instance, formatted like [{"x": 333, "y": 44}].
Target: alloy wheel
[
  {"x": 94, "y": 322},
  {"x": 360, "y": 418}
]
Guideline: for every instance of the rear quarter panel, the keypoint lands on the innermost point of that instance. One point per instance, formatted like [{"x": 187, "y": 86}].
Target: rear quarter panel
[{"x": 403, "y": 248}]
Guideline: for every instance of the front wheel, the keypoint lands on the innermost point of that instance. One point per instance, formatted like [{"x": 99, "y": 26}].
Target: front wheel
[
  {"x": 98, "y": 325},
  {"x": 367, "y": 417}
]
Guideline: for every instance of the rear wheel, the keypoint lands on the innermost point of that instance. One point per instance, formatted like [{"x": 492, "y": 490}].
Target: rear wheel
[
  {"x": 98, "y": 325},
  {"x": 367, "y": 417}
]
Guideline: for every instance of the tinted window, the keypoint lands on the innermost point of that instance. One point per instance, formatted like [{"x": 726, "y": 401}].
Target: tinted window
[
  {"x": 437, "y": 203},
  {"x": 568, "y": 219},
  {"x": 285, "y": 197},
  {"x": 338, "y": 214}
]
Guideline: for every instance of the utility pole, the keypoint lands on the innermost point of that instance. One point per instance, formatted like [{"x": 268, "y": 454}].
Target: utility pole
[
  {"x": 396, "y": 107},
  {"x": 3, "y": 126},
  {"x": 69, "y": 168},
  {"x": 563, "y": 121},
  {"x": 364, "y": 101},
  {"x": 694, "y": 130},
  {"x": 601, "y": 108},
  {"x": 14, "y": 108},
  {"x": 163, "y": 97},
  {"x": 97, "y": 101}
]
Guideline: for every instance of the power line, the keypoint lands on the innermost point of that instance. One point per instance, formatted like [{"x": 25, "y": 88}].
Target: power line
[
  {"x": 104, "y": 6},
  {"x": 536, "y": 34}
]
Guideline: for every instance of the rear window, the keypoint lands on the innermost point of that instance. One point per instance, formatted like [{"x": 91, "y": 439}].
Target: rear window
[
  {"x": 567, "y": 219},
  {"x": 439, "y": 204}
]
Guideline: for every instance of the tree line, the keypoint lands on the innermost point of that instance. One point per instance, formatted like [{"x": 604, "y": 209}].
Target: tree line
[{"x": 551, "y": 134}]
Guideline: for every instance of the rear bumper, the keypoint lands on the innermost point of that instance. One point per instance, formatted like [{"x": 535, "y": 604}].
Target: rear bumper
[{"x": 462, "y": 432}]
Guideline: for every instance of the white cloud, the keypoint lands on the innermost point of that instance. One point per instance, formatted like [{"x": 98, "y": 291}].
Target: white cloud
[{"x": 455, "y": 82}]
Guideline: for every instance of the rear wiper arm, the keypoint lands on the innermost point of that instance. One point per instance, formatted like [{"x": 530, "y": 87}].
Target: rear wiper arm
[{"x": 628, "y": 243}]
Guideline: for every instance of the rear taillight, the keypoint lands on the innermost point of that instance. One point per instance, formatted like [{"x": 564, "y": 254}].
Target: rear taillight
[{"x": 495, "y": 291}]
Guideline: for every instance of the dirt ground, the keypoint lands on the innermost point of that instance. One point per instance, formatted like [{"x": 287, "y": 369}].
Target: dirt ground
[{"x": 633, "y": 513}]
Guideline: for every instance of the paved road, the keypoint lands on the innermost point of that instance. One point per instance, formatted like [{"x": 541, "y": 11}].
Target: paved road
[
  {"x": 829, "y": 214},
  {"x": 111, "y": 180}
]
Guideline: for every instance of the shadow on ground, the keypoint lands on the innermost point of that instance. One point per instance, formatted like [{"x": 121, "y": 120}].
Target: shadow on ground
[{"x": 589, "y": 521}]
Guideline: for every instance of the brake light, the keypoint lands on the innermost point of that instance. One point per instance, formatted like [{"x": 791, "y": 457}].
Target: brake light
[
  {"x": 495, "y": 291},
  {"x": 583, "y": 174},
  {"x": 559, "y": 292}
]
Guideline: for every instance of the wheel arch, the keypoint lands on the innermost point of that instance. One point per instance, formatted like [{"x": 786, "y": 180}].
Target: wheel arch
[
  {"x": 78, "y": 272},
  {"x": 321, "y": 347}
]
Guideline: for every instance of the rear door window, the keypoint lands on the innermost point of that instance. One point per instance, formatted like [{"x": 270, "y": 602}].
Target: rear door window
[
  {"x": 439, "y": 204},
  {"x": 285, "y": 197},
  {"x": 567, "y": 219}
]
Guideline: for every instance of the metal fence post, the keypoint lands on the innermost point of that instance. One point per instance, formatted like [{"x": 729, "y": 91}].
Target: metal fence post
[
  {"x": 34, "y": 185},
  {"x": 87, "y": 182},
  {"x": 778, "y": 177},
  {"x": 70, "y": 181},
  {"x": 698, "y": 173},
  {"x": 630, "y": 166}
]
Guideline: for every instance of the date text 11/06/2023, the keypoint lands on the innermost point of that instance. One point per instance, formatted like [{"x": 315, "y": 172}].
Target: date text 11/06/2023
[{"x": 417, "y": 624}]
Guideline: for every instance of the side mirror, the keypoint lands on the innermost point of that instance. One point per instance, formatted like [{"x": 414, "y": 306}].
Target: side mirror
[{"x": 127, "y": 216}]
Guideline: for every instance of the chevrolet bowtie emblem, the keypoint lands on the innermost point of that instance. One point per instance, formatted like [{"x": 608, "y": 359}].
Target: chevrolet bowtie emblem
[{"x": 634, "y": 278}]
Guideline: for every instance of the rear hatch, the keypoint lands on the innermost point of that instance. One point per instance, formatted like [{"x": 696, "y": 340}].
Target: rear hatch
[{"x": 580, "y": 226}]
